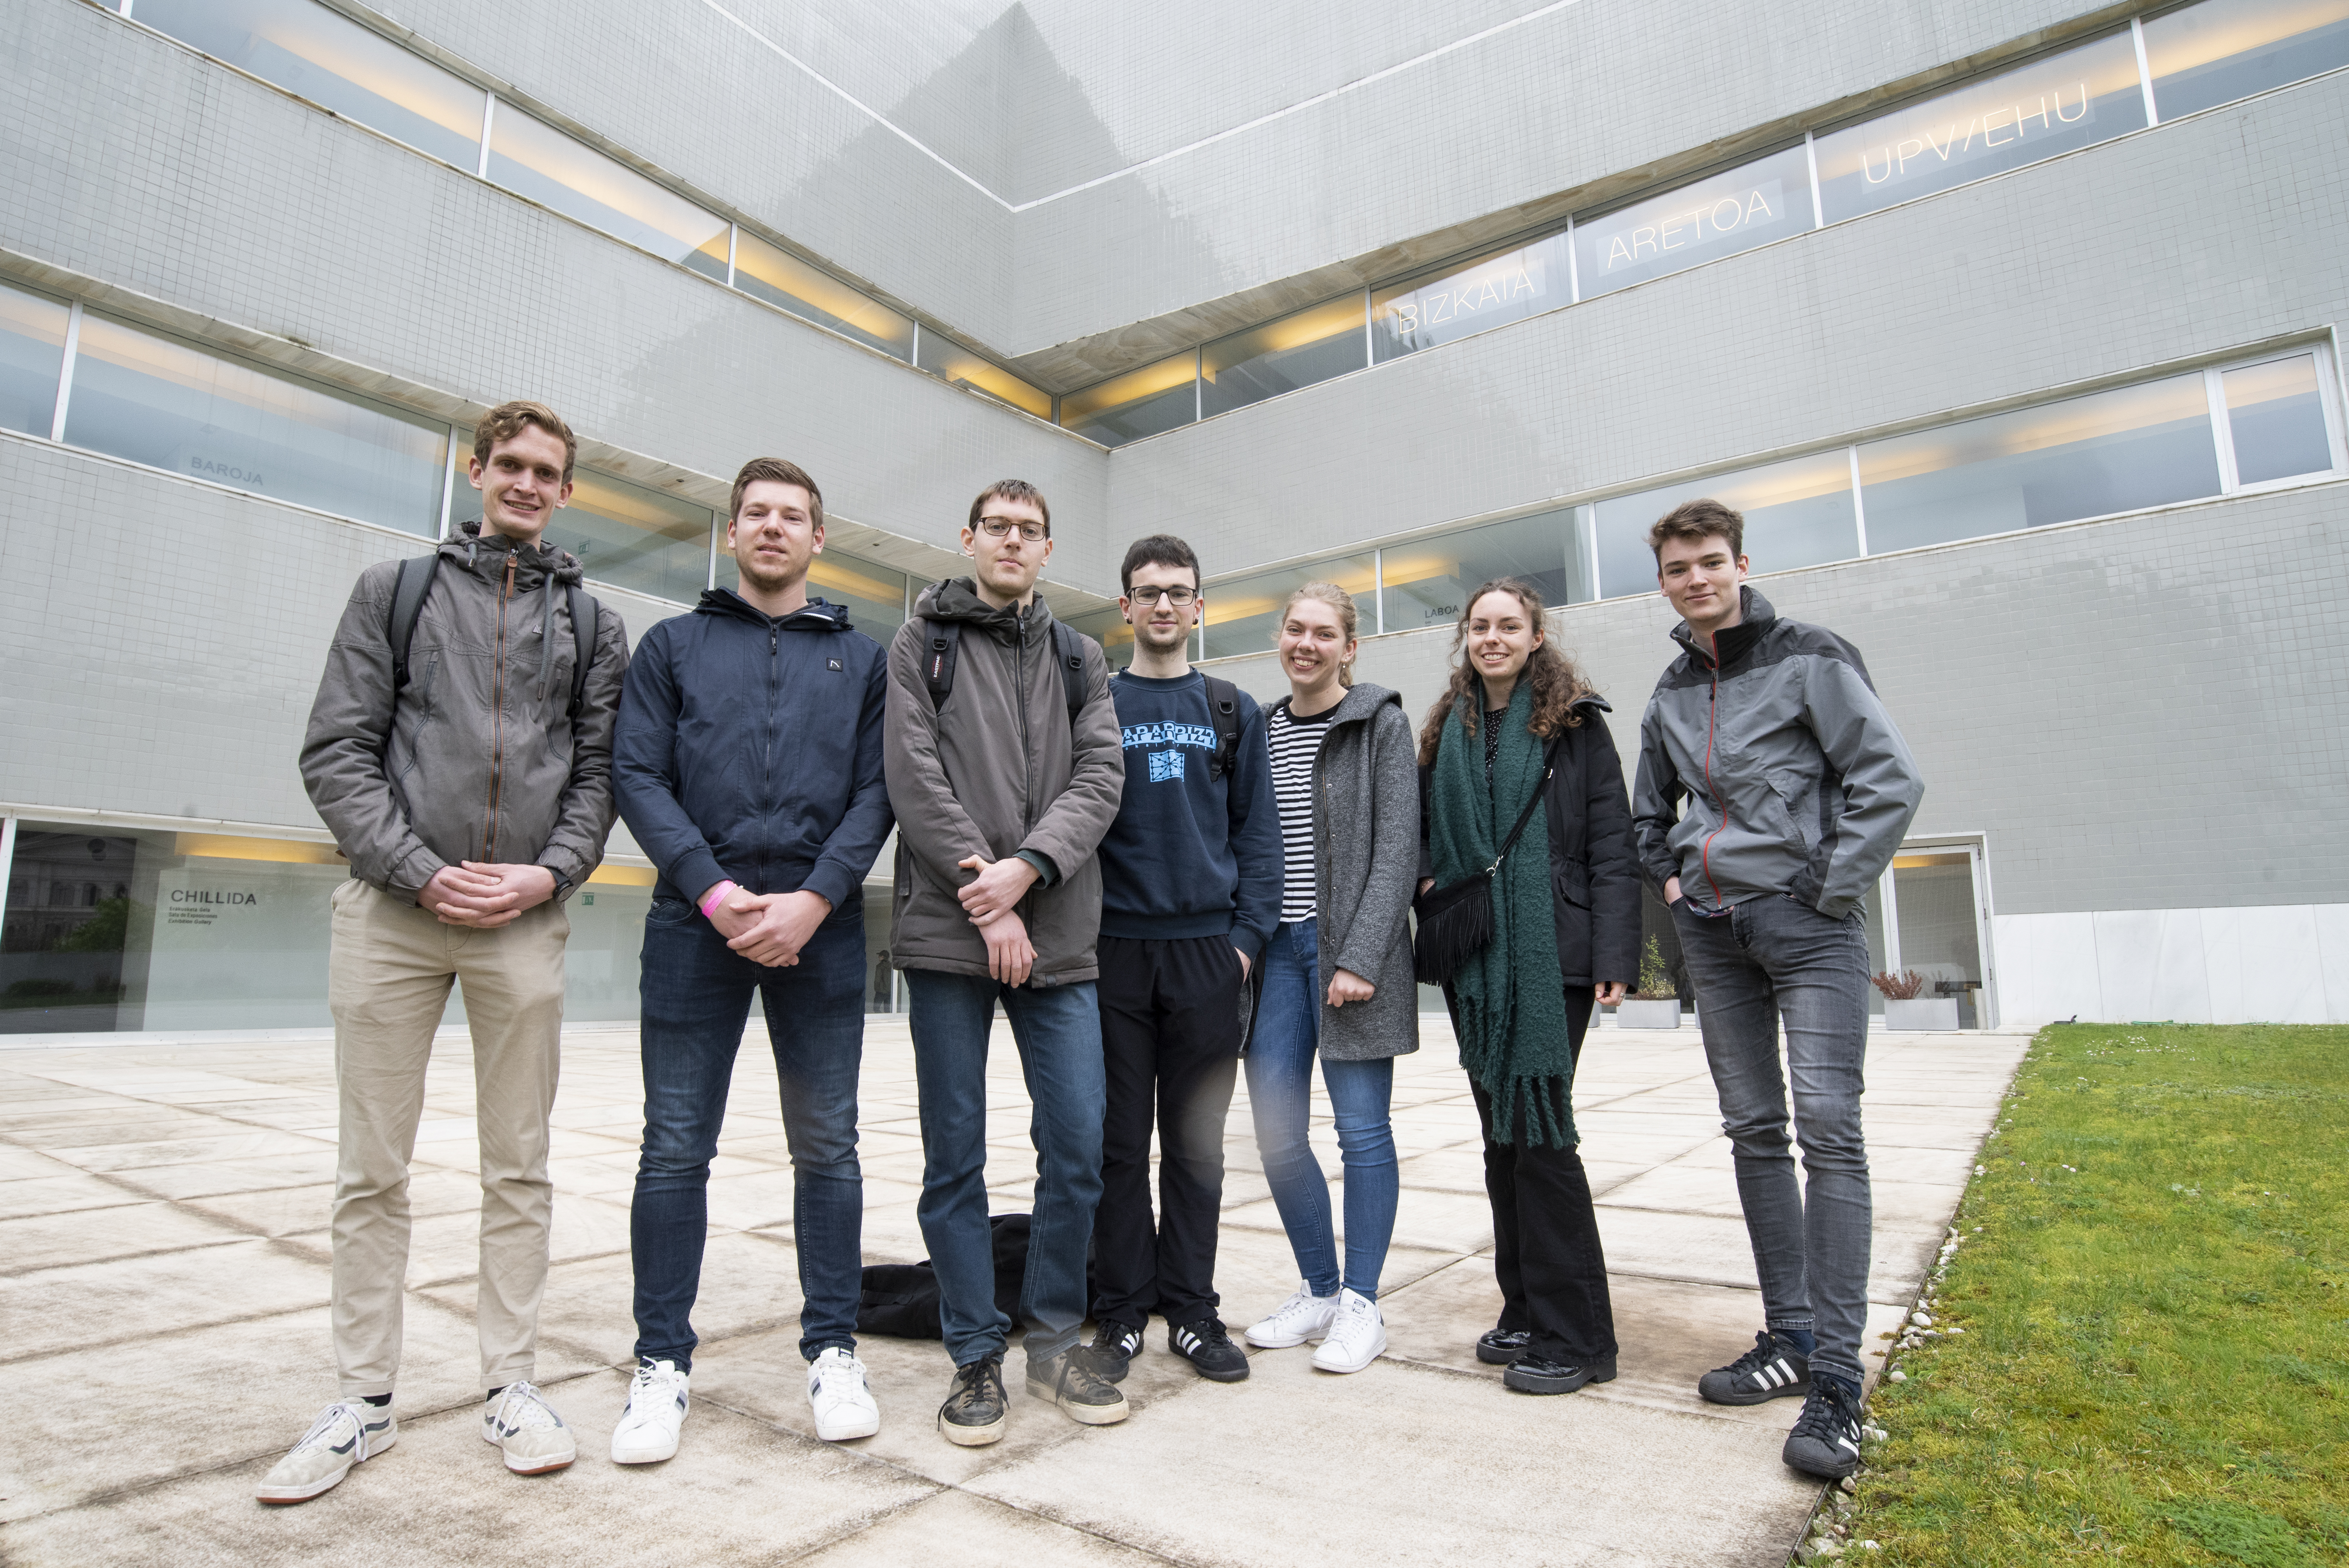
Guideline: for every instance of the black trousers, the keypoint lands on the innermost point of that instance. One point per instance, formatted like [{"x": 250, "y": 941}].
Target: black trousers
[
  {"x": 1171, "y": 1042},
  {"x": 1546, "y": 1251}
]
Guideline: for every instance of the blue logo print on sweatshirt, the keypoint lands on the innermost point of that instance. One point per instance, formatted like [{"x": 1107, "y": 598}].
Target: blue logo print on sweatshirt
[{"x": 1165, "y": 765}]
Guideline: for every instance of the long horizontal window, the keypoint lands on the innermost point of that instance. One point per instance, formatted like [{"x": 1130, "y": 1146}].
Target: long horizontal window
[
  {"x": 634, "y": 537},
  {"x": 32, "y": 351},
  {"x": 873, "y": 596},
  {"x": 1459, "y": 301},
  {"x": 536, "y": 160},
  {"x": 2264, "y": 422},
  {"x": 1282, "y": 355},
  {"x": 949, "y": 361},
  {"x": 1139, "y": 403},
  {"x": 772, "y": 274},
  {"x": 1752, "y": 205},
  {"x": 2222, "y": 50},
  {"x": 170, "y": 405}
]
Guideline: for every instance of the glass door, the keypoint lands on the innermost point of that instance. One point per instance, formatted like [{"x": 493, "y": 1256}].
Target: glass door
[{"x": 1931, "y": 915}]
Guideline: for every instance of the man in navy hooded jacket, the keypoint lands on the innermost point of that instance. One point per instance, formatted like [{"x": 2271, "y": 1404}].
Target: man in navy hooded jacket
[{"x": 747, "y": 765}]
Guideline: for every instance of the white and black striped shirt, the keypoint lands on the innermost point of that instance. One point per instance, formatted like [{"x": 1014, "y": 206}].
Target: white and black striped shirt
[{"x": 1296, "y": 742}]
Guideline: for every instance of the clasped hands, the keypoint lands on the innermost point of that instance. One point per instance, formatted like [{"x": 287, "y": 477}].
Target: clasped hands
[
  {"x": 768, "y": 928},
  {"x": 485, "y": 895}
]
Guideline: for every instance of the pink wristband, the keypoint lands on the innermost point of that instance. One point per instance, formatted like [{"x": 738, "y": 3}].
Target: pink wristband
[{"x": 716, "y": 896}]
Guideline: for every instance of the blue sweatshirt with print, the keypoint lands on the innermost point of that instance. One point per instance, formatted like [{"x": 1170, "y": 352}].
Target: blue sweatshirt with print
[{"x": 1189, "y": 855}]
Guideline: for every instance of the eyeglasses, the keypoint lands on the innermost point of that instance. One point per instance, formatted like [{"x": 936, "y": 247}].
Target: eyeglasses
[
  {"x": 997, "y": 527},
  {"x": 1147, "y": 595}
]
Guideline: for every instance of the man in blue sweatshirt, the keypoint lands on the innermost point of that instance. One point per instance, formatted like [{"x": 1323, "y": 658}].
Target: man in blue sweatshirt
[
  {"x": 1190, "y": 891},
  {"x": 747, "y": 765}
]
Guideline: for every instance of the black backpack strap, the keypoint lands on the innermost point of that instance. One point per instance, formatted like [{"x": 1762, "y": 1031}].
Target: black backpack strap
[
  {"x": 414, "y": 581},
  {"x": 1224, "y": 706},
  {"x": 1069, "y": 646},
  {"x": 585, "y": 615},
  {"x": 939, "y": 659}
]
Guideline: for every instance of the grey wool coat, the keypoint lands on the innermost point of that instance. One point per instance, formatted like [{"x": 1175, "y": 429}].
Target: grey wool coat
[{"x": 1365, "y": 866}]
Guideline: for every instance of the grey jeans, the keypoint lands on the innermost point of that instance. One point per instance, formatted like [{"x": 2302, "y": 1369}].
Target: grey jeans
[{"x": 1766, "y": 959}]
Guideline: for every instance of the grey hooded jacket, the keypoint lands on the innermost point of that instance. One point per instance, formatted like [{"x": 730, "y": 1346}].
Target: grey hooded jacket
[
  {"x": 998, "y": 770},
  {"x": 479, "y": 760},
  {"x": 1365, "y": 865},
  {"x": 1797, "y": 781}
]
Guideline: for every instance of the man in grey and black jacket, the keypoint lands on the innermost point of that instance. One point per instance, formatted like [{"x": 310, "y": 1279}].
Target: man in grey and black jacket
[
  {"x": 1004, "y": 769},
  {"x": 471, "y": 804},
  {"x": 1799, "y": 789}
]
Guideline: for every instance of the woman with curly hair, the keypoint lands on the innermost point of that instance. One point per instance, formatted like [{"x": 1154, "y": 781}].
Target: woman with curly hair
[{"x": 1516, "y": 718}]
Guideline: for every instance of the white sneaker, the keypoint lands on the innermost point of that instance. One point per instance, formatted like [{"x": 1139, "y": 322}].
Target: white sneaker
[
  {"x": 1356, "y": 1339},
  {"x": 524, "y": 1425},
  {"x": 657, "y": 1404},
  {"x": 349, "y": 1432},
  {"x": 1303, "y": 1317},
  {"x": 838, "y": 1394}
]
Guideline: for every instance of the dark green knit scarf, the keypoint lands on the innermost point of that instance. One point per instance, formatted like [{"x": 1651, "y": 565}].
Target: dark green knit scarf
[{"x": 1509, "y": 998}]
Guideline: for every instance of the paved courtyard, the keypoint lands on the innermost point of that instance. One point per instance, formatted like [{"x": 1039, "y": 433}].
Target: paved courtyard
[{"x": 163, "y": 1288}]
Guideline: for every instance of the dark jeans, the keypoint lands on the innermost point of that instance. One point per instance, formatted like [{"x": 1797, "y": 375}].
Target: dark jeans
[
  {"x": 1057, "y": 1031},
  {"x": 697, "y": 996},
  {"x": 1546, "y": 1251},
  {"x": 1170, "y": 1027},
  {"x": 1771, "y": 958}
]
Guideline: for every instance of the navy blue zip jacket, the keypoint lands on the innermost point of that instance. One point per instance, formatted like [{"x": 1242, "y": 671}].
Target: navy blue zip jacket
[
  {"x": 1188, "y": 855},
  {"x": 749, "y": 748}
]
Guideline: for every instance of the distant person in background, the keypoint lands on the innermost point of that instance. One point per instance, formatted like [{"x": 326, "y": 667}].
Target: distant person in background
[
  {"x": 749, "y": 767},
  {"x": 1799, "y": 789},
  {"x": 471, "y": 805},
  {"x": 1190, "y": 890},
  {"x": 1337, "y": 975},
  {"x": 1516, "y": 725}
]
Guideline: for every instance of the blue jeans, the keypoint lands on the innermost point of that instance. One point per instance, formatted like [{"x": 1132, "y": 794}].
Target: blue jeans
[
  {"x": 1058, "y": 1030},
  {"x": 1280, "y": 1087},
  {"x": 696, "y": 995},
  {"x": 1768, "y": 958}
]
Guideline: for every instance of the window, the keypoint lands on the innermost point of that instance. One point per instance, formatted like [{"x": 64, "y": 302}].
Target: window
[
  {"x": 32, "y": 352},
  {"x": 1107, "y": 628},
  {"x": 1427, "y": 582},
  {"x": 1797, "y": 513},
  {"x": 2076, "y": 98},
  {"x": 1767, "y": 200},
  {"x": 875, "y": 597},
  {"x": 764, "y": 272},
  {"x": 2277, "y": 421},
  {"x": 307, "y": 49},
  {"x": 1243, "y": 617},
  {"x": 538, "y": 161},
  {"x": 1139, "y": 403},
  {"x": 1282, "y": 355},
  {"x": 632, "y": 538},
  {"x": 1462, "y": 299},
  {"x": 2226, "y": 49},
  {"x": 2111, "y": 451},
  {"x": 170, "y": 405},
  {"x": 948, "y": 360}
]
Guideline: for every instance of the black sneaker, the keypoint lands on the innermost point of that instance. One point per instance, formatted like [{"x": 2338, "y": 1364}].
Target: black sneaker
[
  {"x": 1113, "y": 1350},
  {"x": 974, "y": 1412},
  {"x": 1070, "y": 1381},
  {"x": 1772, "y": 1369},
  {"x": 1532, "y": 1374},
  {"x": 1207, "y": 1346},
  {"x": 1499, "y": 1346},
  {"x": 1825, "y": 1439}
]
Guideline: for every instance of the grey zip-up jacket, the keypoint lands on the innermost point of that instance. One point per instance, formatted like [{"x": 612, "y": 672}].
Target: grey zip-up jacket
[
  {"x": 479, "y": 760},
  {"x": 998, "y": 770},
  {"x": 1365, "y": 832},
  {"x": 1797, "y": 781}
]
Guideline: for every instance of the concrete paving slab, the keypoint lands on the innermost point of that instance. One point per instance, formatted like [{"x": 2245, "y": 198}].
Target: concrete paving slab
[
  {"x": 46, "y": 1240},
  {"x": 750, "y": 1281},
  {"x": 62, "y": 1194},
  {"x": 126, "y": 1299},
  {"x": 973, "y": 1533}
]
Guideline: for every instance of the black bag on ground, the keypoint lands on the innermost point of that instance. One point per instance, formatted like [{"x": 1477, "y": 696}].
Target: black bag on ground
[
  {"x": 1456, "y": 921},
  {"x": 901, "y": 1300}
]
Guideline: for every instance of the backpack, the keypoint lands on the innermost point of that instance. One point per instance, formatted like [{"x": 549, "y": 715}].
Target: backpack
[
  {"x": 945, "y": 647},
  {"x": 415, "y": 575},
  {"x": 1224, "y": 708}
]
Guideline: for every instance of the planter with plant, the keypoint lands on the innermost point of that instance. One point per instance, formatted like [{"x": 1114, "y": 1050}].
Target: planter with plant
[
  {"x": 1656, "y": 1004},
  {"x": 1906, "y": 1006}
]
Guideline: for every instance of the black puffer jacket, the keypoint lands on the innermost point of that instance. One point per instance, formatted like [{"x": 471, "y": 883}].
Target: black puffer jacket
[{"x": 1594, "y": 870}]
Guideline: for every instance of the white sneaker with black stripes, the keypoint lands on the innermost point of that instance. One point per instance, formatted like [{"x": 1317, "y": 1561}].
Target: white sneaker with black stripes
[
  {"x": 349, "y": 1433},
  {"x": 526, "y": 1430},
  {"x": 1825, "y": 1439},
  {"x": 659, "y": 1397},
  {"x": 1772, "y": 1369}
]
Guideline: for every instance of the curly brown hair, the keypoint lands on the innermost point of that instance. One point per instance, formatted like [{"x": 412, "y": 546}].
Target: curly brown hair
[{"x": 1558, "y": 684}]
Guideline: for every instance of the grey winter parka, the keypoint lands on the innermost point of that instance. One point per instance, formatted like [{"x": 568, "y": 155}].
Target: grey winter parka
[
  {"x": 479, "y": 760},
  {"x": 999, "y": 769},
  {"x": 1365, "y": 833},
  {"x": 1796, "y": 780}
]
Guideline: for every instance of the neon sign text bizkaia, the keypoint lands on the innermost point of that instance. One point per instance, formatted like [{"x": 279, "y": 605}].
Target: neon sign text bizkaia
[
  {"x": 2000, "y": 127},
  {"x": 1693, "y": 226}
]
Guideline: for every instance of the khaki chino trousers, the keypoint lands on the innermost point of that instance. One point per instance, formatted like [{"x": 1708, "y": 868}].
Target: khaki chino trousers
[{"x": 388, "y": 978}]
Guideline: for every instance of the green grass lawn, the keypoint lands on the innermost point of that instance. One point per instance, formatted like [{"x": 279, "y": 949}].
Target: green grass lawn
[{"x": 2153, "y": 1285}]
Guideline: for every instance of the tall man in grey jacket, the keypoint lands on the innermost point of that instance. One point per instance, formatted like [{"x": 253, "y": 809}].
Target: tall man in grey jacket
[
  {"x": 471, "y": 804},
  {"x": 1799, "y": 789},
  {"x": 1004, "y": 770}
]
